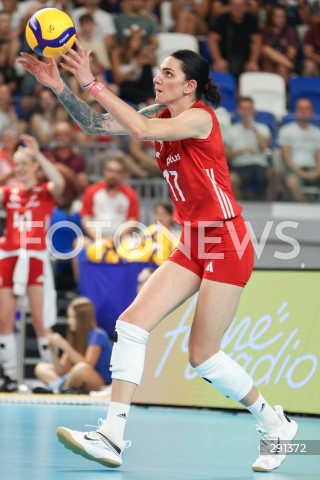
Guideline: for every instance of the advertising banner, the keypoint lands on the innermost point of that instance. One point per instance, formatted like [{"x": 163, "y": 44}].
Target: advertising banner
[{"x": 275, "y": 336}]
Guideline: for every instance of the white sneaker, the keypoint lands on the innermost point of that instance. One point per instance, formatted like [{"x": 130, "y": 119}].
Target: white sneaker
[
  {"x": 94, "y": 446},
  {"x": 283, "y": 432}
]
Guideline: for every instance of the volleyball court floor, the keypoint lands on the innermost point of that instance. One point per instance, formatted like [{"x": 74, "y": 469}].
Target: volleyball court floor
[{"x": 167, "y": 444}]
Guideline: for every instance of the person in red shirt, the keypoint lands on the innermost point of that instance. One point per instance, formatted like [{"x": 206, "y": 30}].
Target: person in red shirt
[
  {"x": 109, "y": 203},
  {"x": 214, "y": 257},
  {"x": 24, "y": 260}
]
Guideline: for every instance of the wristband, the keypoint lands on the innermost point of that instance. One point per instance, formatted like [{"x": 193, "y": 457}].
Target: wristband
[
  {"x": 88, "y": 84},
  {"x": 96, "y": 89}
]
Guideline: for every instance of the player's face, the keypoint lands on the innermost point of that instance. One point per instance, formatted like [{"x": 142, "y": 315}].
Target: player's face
[
  {"x": 170, "y": 83},
  {"x": 25, "y": 167}
]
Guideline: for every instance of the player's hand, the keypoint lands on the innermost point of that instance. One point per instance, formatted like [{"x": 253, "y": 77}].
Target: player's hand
[
  {"x": 78, "y": 63},
  {"x": 46, "y": 73},
  {"x": 30, "y": 143}
]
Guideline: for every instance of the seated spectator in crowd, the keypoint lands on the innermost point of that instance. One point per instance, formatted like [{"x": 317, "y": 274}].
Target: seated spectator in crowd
[
  {"x": 8, "y": 115},
  {"x": 86, "y": 353},
  {"x": 85, "y": 35},
  {"x": 9, "y": 48},
  {"x": 63, "y": 153},
  {"x": 280, "y": 44},
  {"x": 25, "y": 268},
  {"x": 107, "y": 205},
  {"x": 132, "y": 68},
  {"x": 299, "y": 142},
  {"x": 218, "y": 7},
  {"x": 134, "y": 13},
  {"x": 298, "y": 11},
  {"x": 144, "y": 155},
  {"x": 235, "y": 41},
  {"x": 9, "y": 140},
  {"x": 190, "y": 16},
  {"x": 311, "y": 42},
  {"x": 42, "y": 122},
  {"x": 245, "y": 144},
  {"x": 104, "y": 27},
  {"x": 17, "y": 11}
]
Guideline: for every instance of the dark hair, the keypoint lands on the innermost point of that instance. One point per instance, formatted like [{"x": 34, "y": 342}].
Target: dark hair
[
  {"x": 195, "y": 67},
  {"x": 86, "y": 17}
]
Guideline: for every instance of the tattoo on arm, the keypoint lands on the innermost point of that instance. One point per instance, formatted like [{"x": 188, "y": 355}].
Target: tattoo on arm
[
  {"x": 89, "y": 120},
  {"x": 93, "y": 122}
]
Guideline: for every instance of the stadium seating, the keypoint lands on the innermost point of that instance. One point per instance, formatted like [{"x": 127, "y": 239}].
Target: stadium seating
[
  {"x": 268, "y": 90},
  {"x": 308, "y": 87},
  {"x": 169, "y": 42},
  {"x": 228, "y": 89}
]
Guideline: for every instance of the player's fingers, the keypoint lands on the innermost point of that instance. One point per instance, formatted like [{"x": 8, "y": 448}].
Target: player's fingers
[
  {"x": 79, "y": 48},
  {"x": 71, "y": 52},
  {"x": 70, "y": 61},
  {"x": 67, "y": 67},
  {"x": 30, "y": 58}
]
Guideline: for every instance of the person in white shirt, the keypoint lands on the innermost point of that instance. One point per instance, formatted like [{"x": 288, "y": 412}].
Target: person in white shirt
[
  {"x": 299, "y": 143},
  {"x": 246, "y": 143}
]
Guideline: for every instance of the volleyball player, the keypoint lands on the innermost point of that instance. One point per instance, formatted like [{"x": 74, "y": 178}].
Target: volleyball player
[{"x": 190, "y": 155}]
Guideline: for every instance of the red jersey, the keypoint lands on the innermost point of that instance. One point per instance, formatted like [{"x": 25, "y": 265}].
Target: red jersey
[
  {"x": 198, "y": 176},
  {"x": 28, "y": 217},
  {"x": 116, "y": 209}
]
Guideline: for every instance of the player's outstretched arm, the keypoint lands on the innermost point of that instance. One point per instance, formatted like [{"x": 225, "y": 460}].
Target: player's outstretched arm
[{"x": 89, "y": 120}]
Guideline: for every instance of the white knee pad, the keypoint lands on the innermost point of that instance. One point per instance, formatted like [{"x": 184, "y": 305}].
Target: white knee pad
[
  {"x": 128, "y": 353},
  {"x": 226, "y": 375}
]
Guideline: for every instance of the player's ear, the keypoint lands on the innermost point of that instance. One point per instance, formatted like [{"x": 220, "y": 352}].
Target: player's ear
[{"x": 191, "y": 86}]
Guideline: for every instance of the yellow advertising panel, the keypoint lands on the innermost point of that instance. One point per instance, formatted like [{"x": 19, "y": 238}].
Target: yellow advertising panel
[{"x": 275, "y": 336}]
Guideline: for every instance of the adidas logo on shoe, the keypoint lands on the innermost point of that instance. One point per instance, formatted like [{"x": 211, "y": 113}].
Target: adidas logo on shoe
[{"x": 122, "y": 415}]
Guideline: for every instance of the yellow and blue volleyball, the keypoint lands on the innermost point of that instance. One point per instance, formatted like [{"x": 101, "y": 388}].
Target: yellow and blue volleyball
[{"x": 48, "y": 30}]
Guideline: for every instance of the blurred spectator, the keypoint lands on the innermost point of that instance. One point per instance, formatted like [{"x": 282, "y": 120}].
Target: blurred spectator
[
  {"x": 298, "y": 11},
  {"x": 107, "y": 205},
  {"x": 312, "y": 51},
  {"x": 9, "y": 139},
  {"x": 280, "y": 44},
  {"x": 9, "y": 48},
  {"x": 219, "y": 7},
  {"x": 8, "y": 116},
  {"x": 63, "y": 153},
  {"x": 86, "y": 353},
  {"x": 109, "y": 201},
  {"x": 17, "y": 11},
  {"x": 235, "y": 40},
  {"x": 246, "y": 143},
  {"x": 132, "y": 68},
  {"x": 85, "y": 35},
  {"x": 135, "y": 13},
  {"x": 144, "y": 155},
  {"x": 43, "y": 121},
  {"x": 190, "y": 16},
  {"x": 104, "y": 28},
  {"x": 300, "y": 151}
]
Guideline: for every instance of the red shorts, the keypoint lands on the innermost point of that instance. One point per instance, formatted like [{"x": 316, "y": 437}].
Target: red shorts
[
  {"x": 7, "y": 267},
  {"x": 221, "y": 253}
]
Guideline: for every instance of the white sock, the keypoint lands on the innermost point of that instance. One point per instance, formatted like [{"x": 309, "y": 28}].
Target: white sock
[
  {"x": 8, "y": 355},
  {"x": 116, "y": 420},
  {"x": 263, "y": 412},
  {"x": 44, "y": 350}
]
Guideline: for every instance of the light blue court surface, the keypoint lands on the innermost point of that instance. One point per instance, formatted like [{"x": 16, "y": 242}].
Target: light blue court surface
[{"x": 167, "y": 444}]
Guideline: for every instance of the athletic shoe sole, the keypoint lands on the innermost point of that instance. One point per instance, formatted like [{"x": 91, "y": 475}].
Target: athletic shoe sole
[
  {"x": 261, "y": 469},
  {"x": 70, "y": 443}
]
